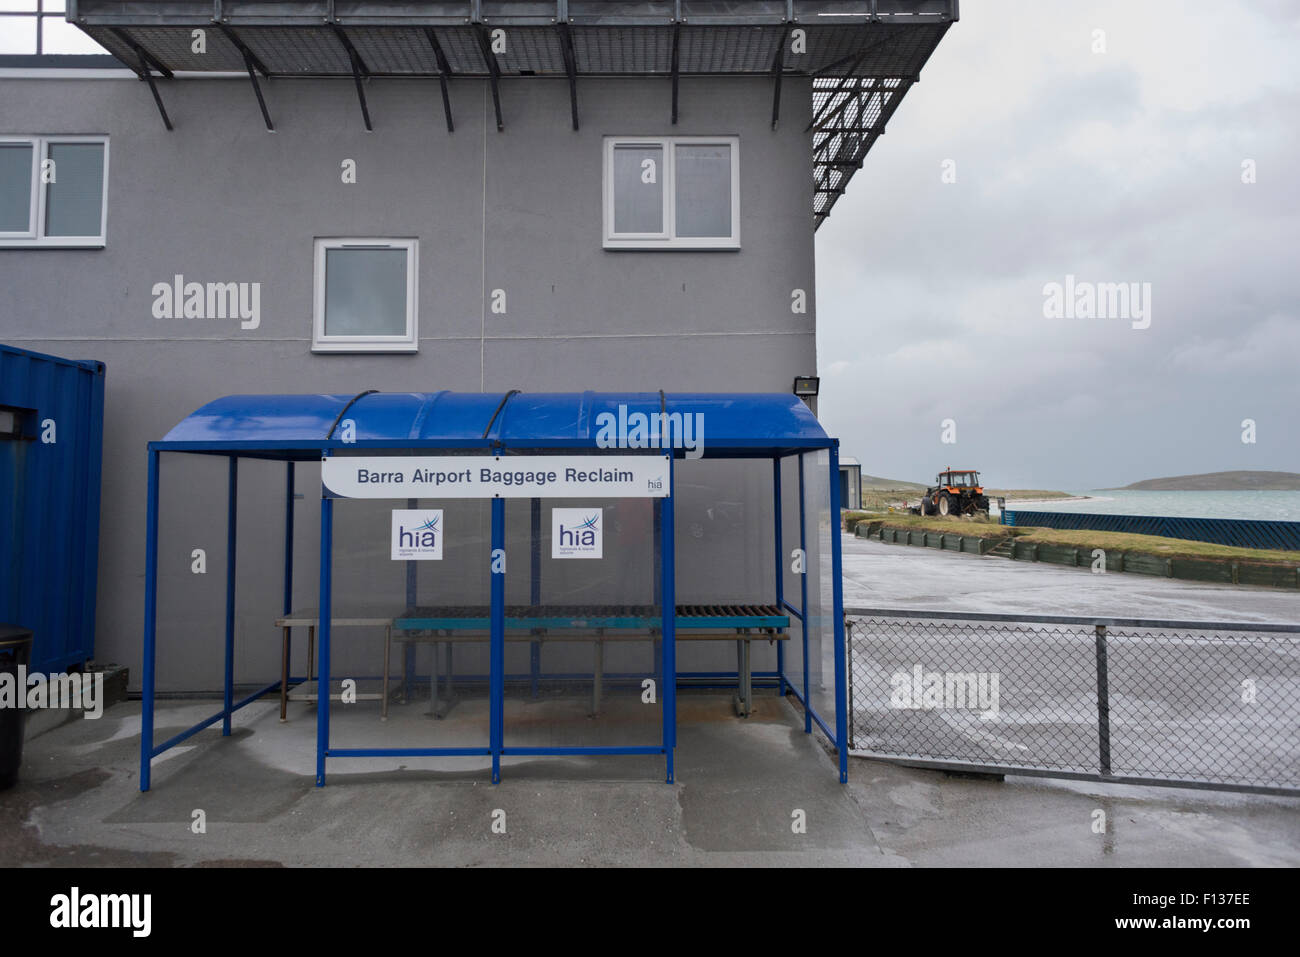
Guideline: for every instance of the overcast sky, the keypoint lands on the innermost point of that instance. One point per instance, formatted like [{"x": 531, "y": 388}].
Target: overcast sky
[{"x": 1122, "y": 166}]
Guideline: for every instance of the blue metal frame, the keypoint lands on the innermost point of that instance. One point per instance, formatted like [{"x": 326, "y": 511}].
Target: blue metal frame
[
  {"x": 325, "y": 598},
  {"x": 497, "y": 657},
  {"x": 803, "y": 602},
  {"x": 534, "y": 586},
  {"x": 780, "y": 568},
  {"x": 150, "y": 623},
  {"x": 666, "y": 667},
  {"x": 287, "y": 604},
  {"x": 232, "y": 515},
  {"x": 668, "y": 583}
]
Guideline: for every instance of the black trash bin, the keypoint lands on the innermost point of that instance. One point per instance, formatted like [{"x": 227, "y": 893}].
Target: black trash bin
[{"x": 15, "y": 651}]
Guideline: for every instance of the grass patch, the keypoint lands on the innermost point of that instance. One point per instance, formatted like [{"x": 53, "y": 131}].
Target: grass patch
[
  {"x": 1160, "y": 547},
  {"x": 974, "y": 525},
  {"x": 984, "y": 527}
]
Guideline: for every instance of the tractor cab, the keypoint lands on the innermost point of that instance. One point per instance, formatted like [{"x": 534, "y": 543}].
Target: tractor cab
[{"x": 954, "y": 480}]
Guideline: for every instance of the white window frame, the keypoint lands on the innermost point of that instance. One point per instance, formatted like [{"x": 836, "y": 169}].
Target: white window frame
[
  {"x": 409, "y": 342},
  {"x": 668, "y": 239},
  {"x": 35, "y": 237}
]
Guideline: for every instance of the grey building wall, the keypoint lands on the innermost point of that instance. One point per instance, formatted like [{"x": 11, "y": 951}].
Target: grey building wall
[{"x": 221, "y": 199}]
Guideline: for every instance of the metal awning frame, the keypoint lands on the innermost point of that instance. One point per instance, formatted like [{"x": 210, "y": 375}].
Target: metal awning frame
[{"x": 857, "y": 87}]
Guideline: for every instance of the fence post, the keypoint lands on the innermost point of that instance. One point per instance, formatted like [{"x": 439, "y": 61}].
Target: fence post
[
  {"x": 848, "y": 672},
  {"x": 1103, "y": 702}
]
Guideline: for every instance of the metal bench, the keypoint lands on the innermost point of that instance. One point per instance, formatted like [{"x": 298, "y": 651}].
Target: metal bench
[
  {"x": 310, "y": 619},
  {"x": 538, "y": 624}
]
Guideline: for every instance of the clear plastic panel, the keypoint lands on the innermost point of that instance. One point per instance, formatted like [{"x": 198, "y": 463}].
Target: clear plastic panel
[
  {"x": 583, "y": 624},
  {"x": 191, "y": 609},
  {"x": 438, "y": 654},
  {"x": 791, "y": 580},
  {"x": 725, "y": 555},
  {"x": 821, "y": 609}
]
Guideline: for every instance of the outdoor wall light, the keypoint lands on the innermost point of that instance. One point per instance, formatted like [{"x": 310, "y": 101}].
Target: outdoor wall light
[{"x": 806, "y": 385}]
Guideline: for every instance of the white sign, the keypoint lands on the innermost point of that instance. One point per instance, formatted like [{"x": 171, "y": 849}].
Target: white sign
[
  {"x": 494, "y": 476},
  {"x": 577, "y": 532},
  {"x": 417, "y": 534}
]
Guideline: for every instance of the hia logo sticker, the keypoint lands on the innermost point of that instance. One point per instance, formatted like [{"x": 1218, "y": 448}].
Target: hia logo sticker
[
  {"x": 417, "y": 534},
  {"x": 576, "y": 533}
]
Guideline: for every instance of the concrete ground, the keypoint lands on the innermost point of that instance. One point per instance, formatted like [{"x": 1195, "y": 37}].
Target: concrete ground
[{"x": 742, "y": 785}]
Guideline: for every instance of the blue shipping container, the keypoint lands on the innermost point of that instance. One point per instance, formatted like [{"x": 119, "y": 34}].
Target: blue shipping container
[{"x": 51, "y": 452}]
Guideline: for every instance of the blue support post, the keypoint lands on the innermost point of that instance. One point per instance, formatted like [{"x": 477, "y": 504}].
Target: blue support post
[
  {"x": 837, "y": 601},
  {"x": 780, "y": 571},
  {"x": 287, "y": 604},
  {"x": 497, "y": 658},
  {"x": 323, "y": 637},
  {"x": 150, "y": 623},
  {"x": 535, "y": 588},
  {"x": 657, "y": 645},
  {"x": 669, "y": 600},
  {"x": 232, "y": 518},
  {"x": 286, "y": 649},
  {"x": 412, "y": 600},
  {"x": 803, "y": 601}
]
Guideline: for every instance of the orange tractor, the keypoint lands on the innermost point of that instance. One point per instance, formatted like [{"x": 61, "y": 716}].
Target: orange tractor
[{"x": 955, "y": 492}]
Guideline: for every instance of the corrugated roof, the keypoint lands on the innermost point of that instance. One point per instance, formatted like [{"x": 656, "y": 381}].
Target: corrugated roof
[{"x": 726, "y": 424}]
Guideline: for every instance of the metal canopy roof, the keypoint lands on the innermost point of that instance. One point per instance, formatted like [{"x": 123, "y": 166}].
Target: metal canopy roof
[
  {"x": 863, "y": 55},
  {"x": 299, "y": 426}
]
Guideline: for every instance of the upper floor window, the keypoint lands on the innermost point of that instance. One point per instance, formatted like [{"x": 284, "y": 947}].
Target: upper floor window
[
  {"x": 365, "y": 295},
  {"x": 41, "y": 26},
  {"x": 675, "y": 192},
  {"x": 52, "y": 190}
]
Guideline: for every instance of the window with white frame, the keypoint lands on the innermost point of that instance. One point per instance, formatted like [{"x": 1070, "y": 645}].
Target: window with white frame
[
  {"x": 53, "y": 190},
  {"x": 674, "y": 192},
  {"x": 365, "y": 295}
]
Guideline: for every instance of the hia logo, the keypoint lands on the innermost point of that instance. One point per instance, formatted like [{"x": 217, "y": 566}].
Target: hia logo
[
  {"x": 576, "y": 533},
  {"x": 417, "y": 534}
]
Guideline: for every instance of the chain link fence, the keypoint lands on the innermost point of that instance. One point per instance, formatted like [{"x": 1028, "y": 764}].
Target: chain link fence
[{"x": 1197, "y": 704}]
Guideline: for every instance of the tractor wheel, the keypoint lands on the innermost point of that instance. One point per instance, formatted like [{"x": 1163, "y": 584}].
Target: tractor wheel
[{"x": 945, "y": 505}]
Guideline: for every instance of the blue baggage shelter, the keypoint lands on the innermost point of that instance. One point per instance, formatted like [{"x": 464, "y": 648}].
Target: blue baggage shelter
[{"x": 327, "y": 428}]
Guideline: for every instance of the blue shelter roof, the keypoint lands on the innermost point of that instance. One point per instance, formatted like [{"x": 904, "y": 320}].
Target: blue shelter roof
[{"x": 300, "y": 426}]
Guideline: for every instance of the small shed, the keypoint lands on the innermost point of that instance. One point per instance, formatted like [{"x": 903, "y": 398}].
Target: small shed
[
  {"x": 850, "y": 483},
  {"x": 452, "y": 520}
]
